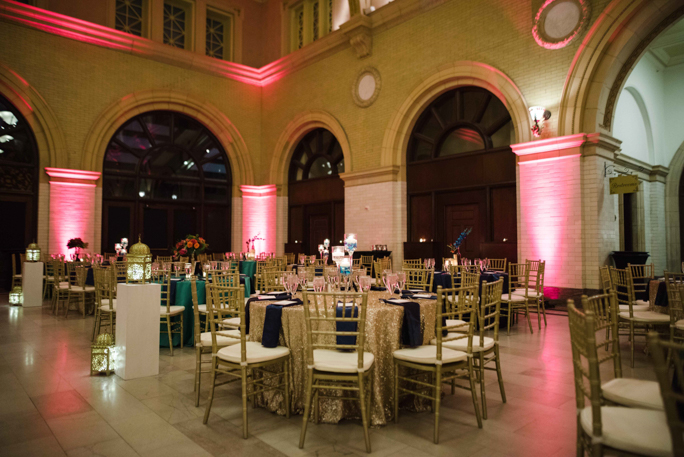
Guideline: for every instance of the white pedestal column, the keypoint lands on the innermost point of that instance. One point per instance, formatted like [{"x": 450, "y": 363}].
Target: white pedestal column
[
  {"x": 137, "y": 330},
  {"x": 32, "y": 284}
]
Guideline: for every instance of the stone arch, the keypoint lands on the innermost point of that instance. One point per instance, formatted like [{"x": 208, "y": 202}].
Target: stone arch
[
  {"x": 49, "y": 137},
  {"x": 464, "y": 73},
  {"x": 606, "y": 57},
  {"x": 646, "y": 119},
  {"x": 140, "y": 102},
  {"x": 674, "y": 176},
  {"x": 295, "y": 131}
]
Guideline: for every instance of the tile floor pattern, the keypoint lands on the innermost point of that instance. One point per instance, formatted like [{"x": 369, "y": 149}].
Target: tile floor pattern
[{"x": 50, "y": 406}]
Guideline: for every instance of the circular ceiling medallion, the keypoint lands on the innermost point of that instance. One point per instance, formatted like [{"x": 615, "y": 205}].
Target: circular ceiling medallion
[
  {"x": 366, "y": 87},
  {"x": 558, "y": 22}
]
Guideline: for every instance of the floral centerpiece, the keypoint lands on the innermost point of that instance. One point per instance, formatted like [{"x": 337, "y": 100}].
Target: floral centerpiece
[
  {"x": 455, "y": 248},
  {"x": 190, "y": 246},
  {"x": 77, "y": 244}
]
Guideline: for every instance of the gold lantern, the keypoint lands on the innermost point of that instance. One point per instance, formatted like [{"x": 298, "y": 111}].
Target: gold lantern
[
  {"x": 16, "y": 297},
  {"x": 139, "y": 264},
  {"x": 33, "y": 253},
  {"x": 102, "y": 355}
]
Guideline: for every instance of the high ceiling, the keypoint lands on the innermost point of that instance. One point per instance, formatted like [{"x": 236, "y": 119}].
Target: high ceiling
[{"x": 668, "y": 48}]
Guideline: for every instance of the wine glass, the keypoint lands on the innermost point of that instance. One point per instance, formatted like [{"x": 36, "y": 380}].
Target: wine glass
[
  {"x": 401, "y": 280},
  {"x": 392, "y": 282},
  {"x": 365, "y": 283},
  {"x": 188, "y": 270},
  {"x": 319, "y": 284}
]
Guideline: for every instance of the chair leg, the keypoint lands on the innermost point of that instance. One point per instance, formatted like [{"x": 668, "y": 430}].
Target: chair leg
[
  {"x": 198, "y": 373},
  {"x": 181, "y": 331},
  {"x": 631, "y": 340},
  {"x": 245, "y": 424},
  {"x": 396, "y": 392},
  {"x": 364, "y": 412},
  {"x": 287, "y": 388},
  {"x": 482, "y": 387},
  {"x": 543, "y": 308},
  {"x": 307, "y": 406},
  {"x": 539, "y": 314},
  {"x": 211, "y": 392},
  {"x": 96, "y": 324},
  {"x": 437, "y": 401},
  {"x": 316, "y": 407},
  {"x": 168, "y": 332},
  {"x": 508, "y": 318},
  {"x": 527, "y": 314},
  {"x": 471, "y": 375},
  {"x": 498, "y": 374}
]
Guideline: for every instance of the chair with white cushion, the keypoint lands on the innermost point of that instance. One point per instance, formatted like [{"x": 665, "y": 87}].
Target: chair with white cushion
[
  {"x": 534, "y": 292},
  {"x": 497, "y": 265},
  {"x": 170, "y": 316},
  {"x": 638, "y": 322},
  {"x": 674, "y": 283},
  {"x": 417, "y": 278},
  {"x": 49, "y": 278},
  {"x": 443, "y": 365},
  {"x": 609, "y": 429},
  {"x": 222, "y": 278},
  {"x": 105, "y": 303},
  {"x": 462, "y": 289},
  {"x": 513, "y": 304},
  {"x": 641, "y": 275},
  {"x": 635, "y": 393},
  {"x": 242, "y": 361},
  {"x": 203, "y": 340},
  {"x": 413, "y": 263},
  {"x": 672, "y": 393},
  {"x": 335, "y": 334},
  {"x": 16, "y": 277},
  {"x": 60, "y": 289},
  {"x": 79, "y": 293}
]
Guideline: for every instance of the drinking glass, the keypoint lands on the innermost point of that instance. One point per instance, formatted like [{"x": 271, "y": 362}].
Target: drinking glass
[
  {"x": 365, "y": 283},
  {"x": 188, "y": 270},
  {"x": 319, "y": 284},
  {"x": 401, "y": 280},
  {"x": 392, "y": 282}
]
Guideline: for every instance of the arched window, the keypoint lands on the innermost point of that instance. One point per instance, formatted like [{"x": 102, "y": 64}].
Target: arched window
[
  {"x": 316, "y": 192},
  {"x": 317, "y": 155},
  {"x": 18, "y": 186},
  {"x": 166, "y": 176},
  {"x": 461, "y": 173},
  {"x": 467, "y": 119}
]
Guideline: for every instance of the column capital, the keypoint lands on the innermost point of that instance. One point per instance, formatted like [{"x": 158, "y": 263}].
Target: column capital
[
  {"x": 580, "y": 144},
  {"x": 267, "y": 190},
  {"x": 68, "y": 176}
]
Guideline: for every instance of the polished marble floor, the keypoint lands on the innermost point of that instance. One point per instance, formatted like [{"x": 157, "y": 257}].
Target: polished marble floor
[{"x": 49, "y": 405}]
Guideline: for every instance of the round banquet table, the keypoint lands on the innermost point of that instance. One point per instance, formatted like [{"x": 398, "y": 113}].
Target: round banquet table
[{"x": 382, "y": 338}]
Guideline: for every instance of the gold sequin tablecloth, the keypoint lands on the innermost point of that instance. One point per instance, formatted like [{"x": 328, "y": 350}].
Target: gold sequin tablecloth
[{"x": 383, "y": 335}]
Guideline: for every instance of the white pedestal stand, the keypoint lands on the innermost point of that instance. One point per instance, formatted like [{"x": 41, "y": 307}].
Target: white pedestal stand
[
  {"x": 137, "y": 330},
  {"x": 32, "y": 284}
]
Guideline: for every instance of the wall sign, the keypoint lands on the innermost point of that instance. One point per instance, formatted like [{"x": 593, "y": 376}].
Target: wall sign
[{"x": 627, "y": 184}]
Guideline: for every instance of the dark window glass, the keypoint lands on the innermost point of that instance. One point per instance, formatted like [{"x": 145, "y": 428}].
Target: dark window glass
[{"x": 317, "y": 155}]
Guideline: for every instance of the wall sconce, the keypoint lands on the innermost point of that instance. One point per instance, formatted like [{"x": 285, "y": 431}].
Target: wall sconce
[{"x": 539, "y": 114}]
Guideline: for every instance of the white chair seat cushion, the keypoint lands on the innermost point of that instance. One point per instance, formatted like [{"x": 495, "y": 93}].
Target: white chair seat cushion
[
  {"x": 635, "y": 307},
  {"x": 453, "y": 322},
  {"x": 105, "y": 304},
  {"x": 642, "y": 303},
  {"x": 461, "y": 344},
  {"x": 172, "y": 310},
  {"x": 513, "y": 298},
  {"x": 63, "y": 285},
  {"x": 83, "y": 288},
  {"x": 255, "y": 353},
  {"x": 232, "y": 322},
  {"x": 635, "y": 393},
  {"x": 530, "y": 293},
  {"x": 340, "y": 362},
  {"x": 640, "y": 431},
  {"x": 427, "y": 355},
  {"x": 202, "y": 309},
  {"x": 646, "y": 316},
  {"x": 680, "y": 324},
  {"x": 222, "y": 340}
]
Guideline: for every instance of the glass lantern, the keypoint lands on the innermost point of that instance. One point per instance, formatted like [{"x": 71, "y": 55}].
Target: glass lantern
[
  {"x": 33, "y": 253},
  {"x": 16, "y": 297},
  {"x": 337, "y": 254},
  {"x": 139, "y": 264},
  {"x": 102, "y": 355}
]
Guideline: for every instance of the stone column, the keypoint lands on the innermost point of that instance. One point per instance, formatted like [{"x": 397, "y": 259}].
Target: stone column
[{"x": 259, "y": 216}]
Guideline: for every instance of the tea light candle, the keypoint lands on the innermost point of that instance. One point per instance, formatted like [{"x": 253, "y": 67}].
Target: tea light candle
[{"x": 345, "y": 266}]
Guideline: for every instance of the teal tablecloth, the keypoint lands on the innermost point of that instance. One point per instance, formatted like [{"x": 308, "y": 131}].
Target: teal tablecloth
[
  {"x": 248, "y": 267},
  {"x": 181, "y": 295}
]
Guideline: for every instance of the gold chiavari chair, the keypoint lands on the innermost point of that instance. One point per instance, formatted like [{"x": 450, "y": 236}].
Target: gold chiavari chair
[
  {"x": 497, "y": 264},
  {"x": 417, "y": 278},
  {"x": 243, "y": 361},
  {"x": 319, "y": 262},
  {"x": 79, "y": 292},
  {"x": 301, "y": 259},
  {"x": 258, "y": 278},
  {"x": 221, "y": 278},
  {"x": 534, "y": 293},
  {"x": 119, "y": 271},
  {"x": 356, "y": 263},
  {"x": 49, "y": 278},
  {"x": 290, "y": 258},
  {"x": 606, "y": 283},
  {"x": 379, "y": 266},
  {"x": 162, "y": 259},
  {"x": 457, "y": 303},
  {"x": 167, "y": 312},
  {"x": 485, "y": 350},
  {"x": 367, "y": 263},
  {"x": 674, "y": 283},
  {"x": 636, "y": 393},
  {"x": 607, "y": 429},
  {"x": 280, "y": 263},
  {"x": 183, "y": 259},
  {"x": 60, "y": 290},
  {"x": 203, "y": 341},
  {"x": 673, "y": 398},
  {"x": 443, "y": 365},
  {"x": 335, "y": 358},
  {"x": 512, "y": 304},
  {"x": 218, "y": 256},
  {"x": 105, "y": 303},
  {"x": 108, "y": 255},
  {"x": 638, "y": 321},
  {"x": 413, "y": 263},
  {"x": 641, "y": 275},
  {"x": 273, "y": 280},
  {"x": 16, "y": 277}
]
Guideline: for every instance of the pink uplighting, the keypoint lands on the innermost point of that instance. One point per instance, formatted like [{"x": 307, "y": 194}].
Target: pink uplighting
[
  {"x": 72, "y": 214},
  {"x": 72, "y": 174},
  {"x": 259, "y": 216}
]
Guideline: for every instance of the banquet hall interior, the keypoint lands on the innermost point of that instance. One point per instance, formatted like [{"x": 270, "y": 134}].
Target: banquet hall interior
[{"x": 341, "y": 227}]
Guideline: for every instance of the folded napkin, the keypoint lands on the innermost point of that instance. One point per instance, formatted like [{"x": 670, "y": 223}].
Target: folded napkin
[
  {"x": 411, "y": 333},
  {"x": 346, "y": 326},
  {"x": 378, "y": 288},
  {"x": 273, "y": 322},
  {"x": 280, "y": 297},
  {"x": 425, "y": 296},
  {"x": 273, "y": 296}
]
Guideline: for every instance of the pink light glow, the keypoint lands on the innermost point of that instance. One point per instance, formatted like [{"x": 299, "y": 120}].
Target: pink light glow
[
  {"x": 560, "y": 44},
  {"x": 72, "y": 214},
  {"x": 259, "y": 216},
  {"x": 72, "y": 174}
]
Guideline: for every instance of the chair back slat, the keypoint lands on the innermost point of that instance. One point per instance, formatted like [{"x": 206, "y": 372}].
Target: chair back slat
[
  {"x": 417, "y": 278},
  {"x": 225, "y": 303},
  {"x": 674, "y": 283},
  {"x": 518, "y": 277},
  {"x": 641, "y": 274},
  {"x": 489, "y": 310},
  {"x": 163, "y": 277},
  {"x": 457, "y": 303},
  {"x": 605, "y": 312},
  {"x": 606, "y": 283},
  {"x": 498, "y": 264},
  {"x": 624, "y": 288}
]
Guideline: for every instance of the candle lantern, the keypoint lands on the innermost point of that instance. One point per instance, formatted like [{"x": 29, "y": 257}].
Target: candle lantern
[
  {"x": 16, "y": 297},
  {"x": 139, "y": 264},
  {"x": 102, "y": 355},
  {"x": 337, "y": 253},
  {"x": 345, "y": 266},
  {"x": 33, "y": 253},
  {"x": 326, "y": 243},
  {"x": 350, "y": 243}
]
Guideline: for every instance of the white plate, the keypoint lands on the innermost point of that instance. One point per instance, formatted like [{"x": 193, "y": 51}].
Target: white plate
[
  {"x": 398, "y": 301},
  {"x": 266, "y": 297},
  {"x": 284, "y": 302},
  {"x": 422, "y": 296}
]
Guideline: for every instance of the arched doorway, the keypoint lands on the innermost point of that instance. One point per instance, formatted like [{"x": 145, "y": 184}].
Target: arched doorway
[
  {"x": 165, "y": 175},
  {"x": 18, "y": 186},
  {"x": 315, "y": 192},
  {"x": 461, "y": 173}
]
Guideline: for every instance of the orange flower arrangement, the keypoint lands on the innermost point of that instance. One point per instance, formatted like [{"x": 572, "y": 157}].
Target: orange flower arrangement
[{"x": 191, "y": 245}]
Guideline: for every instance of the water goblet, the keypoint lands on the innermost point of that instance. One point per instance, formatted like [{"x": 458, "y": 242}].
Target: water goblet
[
  {"x": 401, "y": 280},
  {"x": 188, "y": 270},
  {"x": 365, "y": 283},
  {"x": 319, "y": 284}
]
